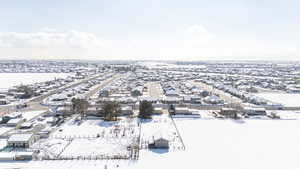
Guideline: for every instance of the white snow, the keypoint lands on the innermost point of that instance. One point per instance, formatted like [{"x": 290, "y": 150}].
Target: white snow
[
  {"x": 12, "y": 79},
  {"x": 31, "y": 114},
  {"x": 210, "y": 144},
  {"x": 96, "y": 147},
  {"x": 286, "y": 99}
]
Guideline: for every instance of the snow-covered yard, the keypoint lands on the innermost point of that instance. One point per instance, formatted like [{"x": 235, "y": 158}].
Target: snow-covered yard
[
  {"x": 210, "y": 144},
  {"x": 290, "y": 100},
  {"x": 160, "y": 126},
  {"x": 93, "y": 128},
  {"x": 50, "y": 147},
  {"x": 108, "y": 147},
  {"x": 93, "y": 138}
]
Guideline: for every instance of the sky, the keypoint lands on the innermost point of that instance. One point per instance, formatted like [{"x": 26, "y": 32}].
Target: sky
[{"x": 150, "y": 29}]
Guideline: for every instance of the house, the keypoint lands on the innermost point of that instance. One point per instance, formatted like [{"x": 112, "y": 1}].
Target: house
[
  {"x": 160, "y": 143},
  {"x": 3, "y": 102},
  {"x": 196, "y": 99},
  {"x": 44, "y": 133},
  {"x": 24, "y": 155},
  {"x": 22, "y": 140},
  {"x": 138, "y": 91},
  {"x": 171, "y": 93},
  {"x": 213, "y": 100},
  {"x": 94, "y": 111},
  {"x": 126, "y": 110},
  {"x": 54, "y": 121},
  {"x": 2, "y": 96},
  {"x": 203, "y": 93},
  {"x": 63, "y": 110},
  {"x": 15, "y": 122},
  {"x": 229, "y": 112},
  {"x": 26, "y": 125},
  {"x": 187, "y": 99},
  {"x": 172, "y": 100},
  {"x": 59, "y": 97},
  {"x": 13, "y": 115},
  {"x": 255, "y": 111},
  {"x": 104, "y": 93},
  {"x": 182, "y": 110},
  {"x": 158, "y": 110}
]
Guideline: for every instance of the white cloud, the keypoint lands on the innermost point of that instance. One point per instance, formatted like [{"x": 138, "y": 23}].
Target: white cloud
[
  {"x": 49, "y": 38},
  {"x": 197, "y": 29},
  {"x": 198, "y": 34}
]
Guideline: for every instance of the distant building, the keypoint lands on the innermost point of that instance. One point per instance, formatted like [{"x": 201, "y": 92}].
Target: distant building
[
  {"x": 104, "y": 93},
  {"x": 229, "y": 112},
  {"x": 182, "y": 110},
  {"x": 255, "y": 111},
  {"x": 15, "y": 122},
  {"x": 213, "y": 100},
  {"x": 126, "y": 110},
  {"x": 138, "y": 91},
  {"x": 3, "y": 102}
]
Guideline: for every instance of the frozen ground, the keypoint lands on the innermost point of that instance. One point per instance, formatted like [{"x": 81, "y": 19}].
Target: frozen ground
[
  {"x": 91, "y": 139},
  {"x": 92, "y": 128},
  {"x": 286, "y": 99},
  {"x": 12, "y": 79},
  {"x": 160, "y": 127},
  {"x": 4, "y": 129},
  {"x": 210, "y": 144},
  {"x": 96, "y": 147}
]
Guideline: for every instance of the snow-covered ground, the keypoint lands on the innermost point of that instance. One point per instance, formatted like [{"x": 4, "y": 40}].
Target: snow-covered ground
[
  {"x": 4, "y": 129},
  {"x": 229, "y": 144},
  {"x": 12, "y": 79},
  {"x": 91, "y": 128},
  {"x": 91, "y": 139},
  {"x": 160, "y": 127},
  {"x": 287, "y": 99},
  {"x": 210, "y": 144},
  {"x": 96, "y": 147}
]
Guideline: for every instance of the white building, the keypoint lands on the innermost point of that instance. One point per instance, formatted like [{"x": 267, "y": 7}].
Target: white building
[{"x": 21, "y": 140}]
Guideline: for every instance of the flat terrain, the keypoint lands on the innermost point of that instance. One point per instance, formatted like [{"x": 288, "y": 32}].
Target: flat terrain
[
  {"x": 210, "y": 144},
  {"x": 155, "y": 90}
]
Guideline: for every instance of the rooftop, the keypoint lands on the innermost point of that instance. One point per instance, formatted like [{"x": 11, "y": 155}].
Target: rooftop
[{"x": 20, "y": 137}]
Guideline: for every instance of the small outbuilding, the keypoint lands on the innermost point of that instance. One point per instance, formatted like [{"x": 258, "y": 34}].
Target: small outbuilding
[
  {"x": 21, "y": 140},
  {"x": 159, "y": 143},
  {"x": 182, "y": 110},
  {"x": 229, "y": 112},
  {"x": 255, "y": 111}
]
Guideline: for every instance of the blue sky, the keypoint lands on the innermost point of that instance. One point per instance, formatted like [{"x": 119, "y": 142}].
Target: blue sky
[{"x": 152, "y": 29}]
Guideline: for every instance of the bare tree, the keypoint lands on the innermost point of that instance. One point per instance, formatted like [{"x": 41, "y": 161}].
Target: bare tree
[
  {"x": 112, "y": 110},
  {"x": 80, "y": 106},
  {"x": 146, "y": 109}
]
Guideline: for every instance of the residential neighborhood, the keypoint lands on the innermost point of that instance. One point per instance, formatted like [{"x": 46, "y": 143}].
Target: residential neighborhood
[{"x": 120, "y": 111}]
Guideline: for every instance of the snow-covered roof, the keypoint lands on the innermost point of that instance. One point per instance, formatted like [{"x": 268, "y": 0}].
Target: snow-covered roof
[
  {"x": 20, "y": 137},
  {"x": 14, "y": 121}
]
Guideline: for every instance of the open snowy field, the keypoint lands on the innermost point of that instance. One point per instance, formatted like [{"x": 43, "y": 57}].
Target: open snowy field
[
  {"x": 287, "y": 99},
  {"x": 228, "y": 144},
  {"x": 210, "y": 144},
  {"x": 12, "y": 79}
]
